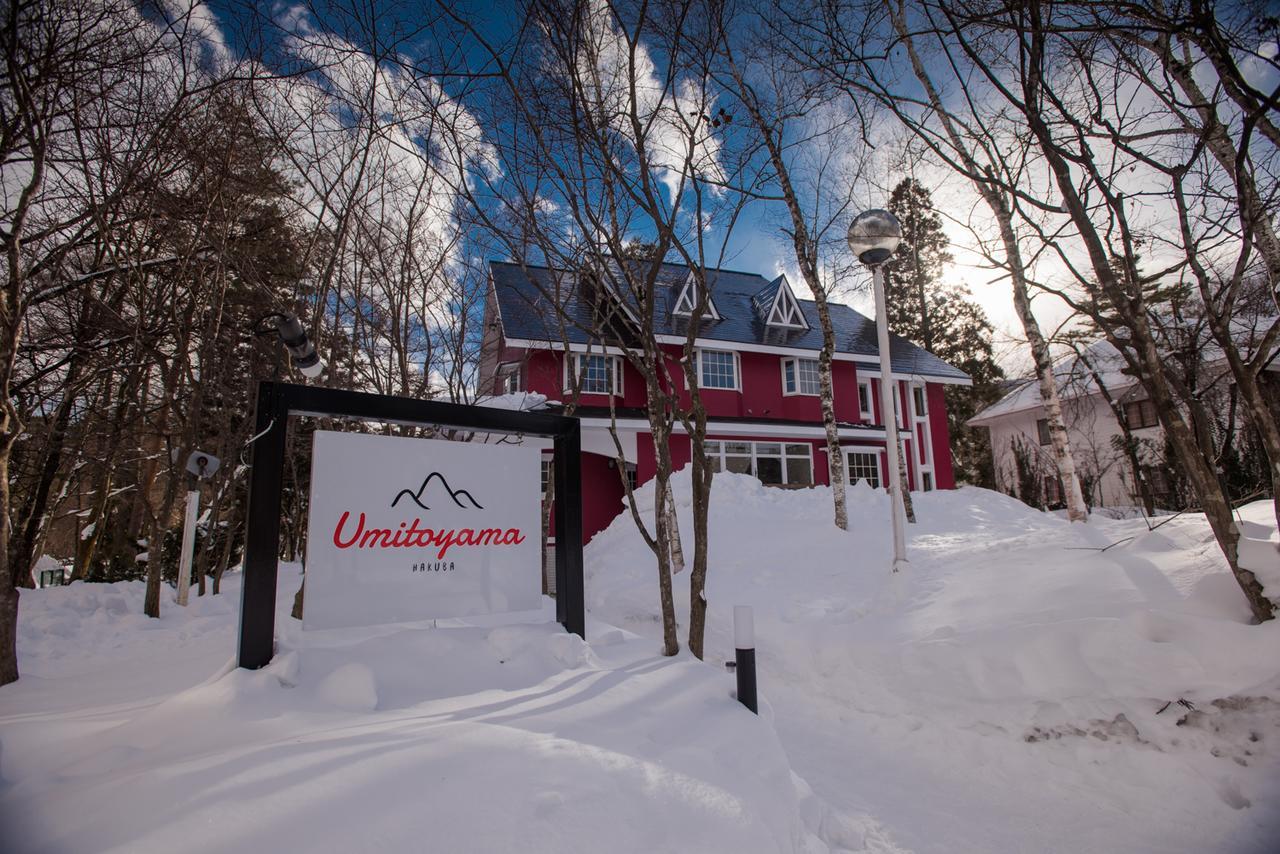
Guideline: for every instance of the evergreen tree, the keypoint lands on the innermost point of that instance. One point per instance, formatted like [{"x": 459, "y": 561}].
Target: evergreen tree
[{"x": 943, "y": 319}]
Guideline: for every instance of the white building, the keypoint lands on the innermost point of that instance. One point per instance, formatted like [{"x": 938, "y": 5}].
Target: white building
[{"x": 1020, "y": 447}]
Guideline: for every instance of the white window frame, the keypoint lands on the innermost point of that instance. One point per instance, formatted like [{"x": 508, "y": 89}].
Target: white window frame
[
  {"x": 737, "y": 370},
  {"x": 511, "y": 381},
  {"x": 795, "y": 363},
  {"x": 882, "y": 461},
  {"x": 920, "y": 421},
  {"x": 784, "y": 455},
  {"x": 868, "y": 415},
  {"x": 786, "y": 309},
  {"x": 906, "y": 443},
  {"x": 578, "y": 358}
]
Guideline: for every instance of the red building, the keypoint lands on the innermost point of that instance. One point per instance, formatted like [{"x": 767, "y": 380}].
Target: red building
[{"x": 757, "y": 352}]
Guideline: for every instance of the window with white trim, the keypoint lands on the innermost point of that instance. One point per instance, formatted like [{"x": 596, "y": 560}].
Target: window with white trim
[
  {"x": 511, "y": 382},
  {"x": 775, "y": 463},
  {"x": 718, "y": 369},
  {"x": 865, "y": 412},
  {"x": 864, "y": 465},
  {"x": 597, "y": 373},
  {"x": 924, "y": 434},
  {"x": 800, "y": 376},
  {"x": 786, "y": 311}
]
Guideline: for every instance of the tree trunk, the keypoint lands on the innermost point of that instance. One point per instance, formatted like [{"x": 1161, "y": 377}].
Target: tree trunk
[
  {"x": 903, "y": 486},
  {"x": 662, "y": 536},
  {"x": 673, "y": 528},
  {"x": 1198, "y": 468},
  {"x": 1130, "y": 443},
  {"x": 8, "y": 590},
  {"x": 24, "y": 550},
  {"x": 1077, "y": 511},
  {"x": 807, "y": 260}
]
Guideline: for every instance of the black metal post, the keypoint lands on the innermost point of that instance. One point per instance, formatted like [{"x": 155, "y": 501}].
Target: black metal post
[
  {"x": 744, "y": 642},
  {"x": 262, "y": 535},
  {"x": 570, "y": 597}
]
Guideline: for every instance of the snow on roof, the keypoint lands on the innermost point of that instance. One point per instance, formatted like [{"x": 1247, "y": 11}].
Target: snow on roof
[{"x": 1074, "y": 379}]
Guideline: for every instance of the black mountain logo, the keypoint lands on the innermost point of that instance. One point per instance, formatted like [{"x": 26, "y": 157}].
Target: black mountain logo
[{"x": 416, "y": 497}]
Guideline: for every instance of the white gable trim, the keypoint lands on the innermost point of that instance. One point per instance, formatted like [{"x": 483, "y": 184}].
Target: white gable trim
[
  {"x": 687, "y": 300},
  {"x": 785, "y": 310}
]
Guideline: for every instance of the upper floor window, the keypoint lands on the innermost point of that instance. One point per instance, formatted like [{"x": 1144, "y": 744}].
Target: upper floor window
[
  {"x": 921, "y": 400},
  {"x": 1042, "y": 428},
  {"x": 597, "y": 374},
  {"x": 800, "y": 376},
  {"x": 1140, "y": 413},
  {"x": 865, "y": 411},
  {"x": 511, "y": 382},
  {"x": 718, "y": 369}
]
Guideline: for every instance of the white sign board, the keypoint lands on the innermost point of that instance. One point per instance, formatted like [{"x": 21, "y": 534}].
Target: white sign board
[{"x": 410, "y": 529}]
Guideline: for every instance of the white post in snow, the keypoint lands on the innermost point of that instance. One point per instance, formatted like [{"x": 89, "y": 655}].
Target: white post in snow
[
  {"x": 889, "y": 413},
  {"x": 188, "y": 546}
]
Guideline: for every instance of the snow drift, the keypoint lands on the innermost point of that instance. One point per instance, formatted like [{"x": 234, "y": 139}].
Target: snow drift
[
  {"x": 1014, "y": 649},
  {"x": 409, "y": 737}
]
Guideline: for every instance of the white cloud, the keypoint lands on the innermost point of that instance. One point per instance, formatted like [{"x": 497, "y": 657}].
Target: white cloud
[{"x": 676, "y": 134}]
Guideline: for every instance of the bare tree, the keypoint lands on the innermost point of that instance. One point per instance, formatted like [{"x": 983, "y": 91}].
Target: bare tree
[
  {"x": 600, "y": 145},
  {"x": 811, "y": 166},
  {"x": 961, "y": 137}
]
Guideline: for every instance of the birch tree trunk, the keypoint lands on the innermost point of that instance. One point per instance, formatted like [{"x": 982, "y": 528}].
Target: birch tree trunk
[
  {"x": 995, "y": 199},
  {"x": 806, "y": 252},
  {"x": 903, "y": 488},
  {"x": 1131, "y": 306},
  {"x": 673, "y": 529}
]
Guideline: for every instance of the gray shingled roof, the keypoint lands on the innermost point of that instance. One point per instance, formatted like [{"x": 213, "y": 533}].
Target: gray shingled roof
[{"x": 527, "y": 311}]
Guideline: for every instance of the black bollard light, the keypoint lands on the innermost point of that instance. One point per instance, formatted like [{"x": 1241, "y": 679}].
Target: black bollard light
[{"x": 744, "y": 642}]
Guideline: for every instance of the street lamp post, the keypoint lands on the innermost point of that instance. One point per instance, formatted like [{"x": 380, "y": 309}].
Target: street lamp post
[{"x": 873, "y": 237}]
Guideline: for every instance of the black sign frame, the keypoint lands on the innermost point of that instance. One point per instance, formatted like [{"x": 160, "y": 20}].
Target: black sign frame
[{"x": 278, "y": 401}]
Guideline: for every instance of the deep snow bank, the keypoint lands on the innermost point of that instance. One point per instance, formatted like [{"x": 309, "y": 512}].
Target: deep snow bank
[
  {"x": 128, "y": 734},
  {"x": 1014, "y": 644}
]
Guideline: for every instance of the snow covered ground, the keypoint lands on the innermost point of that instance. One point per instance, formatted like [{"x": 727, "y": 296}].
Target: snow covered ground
[
  {"x": 1016, "y": 691},
  {"x": 137, "y": 735},
  {"x": 1006, "y": 693}
]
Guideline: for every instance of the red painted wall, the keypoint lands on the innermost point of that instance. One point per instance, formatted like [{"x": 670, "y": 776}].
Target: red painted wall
[
  {"x": 544, "y": 374},
  {"x": 943, "y": 470},
  {"x": 602, "y": 494}
]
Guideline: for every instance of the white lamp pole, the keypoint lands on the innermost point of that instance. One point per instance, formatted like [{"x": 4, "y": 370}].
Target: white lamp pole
[{"x": 873, "y": 237}]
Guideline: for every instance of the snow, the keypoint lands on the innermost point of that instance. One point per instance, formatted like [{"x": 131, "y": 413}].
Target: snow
[
  {"x": 130, "y": 734},
  {"x": 1074, "y": 378},
  {"x": 1004, "y": 693},
  {"x": 1025, "y": 685},
  {"x": 520, "y": 401}
]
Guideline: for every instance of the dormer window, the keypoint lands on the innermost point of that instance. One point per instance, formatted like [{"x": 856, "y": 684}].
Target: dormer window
[
  {"x": 687, "y": 300},
  {"x": 785, "y": 310}
]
